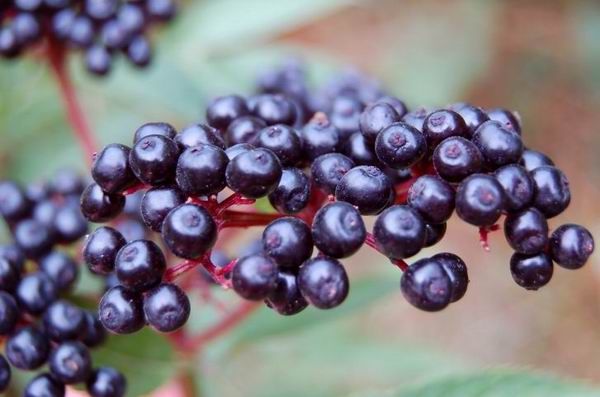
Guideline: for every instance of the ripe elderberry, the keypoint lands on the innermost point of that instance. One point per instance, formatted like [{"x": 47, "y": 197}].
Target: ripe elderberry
[
  {"x": 338, "y": 230},
  {"x": 254, "y": 277},
  {"x": 189, "y": 231},
  {"x": 323, "y": 282},
  {"x": 288, "y": 242}
]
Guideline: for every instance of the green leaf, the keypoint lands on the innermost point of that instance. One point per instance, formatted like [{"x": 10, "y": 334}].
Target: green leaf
[{"x": 145, "y": 358}]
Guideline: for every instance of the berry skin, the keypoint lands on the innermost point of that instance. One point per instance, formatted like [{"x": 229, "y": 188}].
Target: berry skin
[
  {"x": 434, "y": 232},
  {"x": 526, "y": 231},
  {"x": 9, "y": 314},
  {"x": 442, "y": 124},
  {"x": 552, "y": 194},
  {"x": 199, "y": 134},
  {"x": 70, "y": 362},
  {"x": 531, "y": 272},
  {"x": 480, "y": 200},
  {"x": 328, "y": 169},
  {"x": 94, "y": 333},
  {"x": 399, "y": 232},
  {"x": 518, "y": 186},
  {"x": 153, "y": 159},
  {"x": 69, "y": 225},
  {"x": 338, "y": 230},
  {"x": 111, "y": 169},
  {"x": 571, "y": 246},
  {"x": 400, "y": 145},
  {"x": 345, "y": 115},
  {"x": 375, "y": 118},
  {"x": 432, "y": 197},
  {"x": 121, "y": 310},
  {"x": 532, "y": 159},
  {"x": 35, "y": 293},
  {"x": 63, "y": 321},
  {"x": 140, "y": 265},
  {"x": 9, "y": 275},
  {"x": 98, "y": 206},
  {"x": 426, "y": 285},
  {"x": 27, "y": 348},
  {"x": 101, "y": 249},
  {"x": 506, "y": 118},
  {"x": 61, "y": 269},
  {"x": 66, "y": 182},
  {"x": 320, "y": 136},
  {"x": 288, "y": 241},
  {"x": 189, "y": 231},
  {"x": 44, "y": 385},
  {"x": 13, "y": 254},
  {"x": 286, "y": 298},
  {"x": 157, "y": 203},
  {"x": 473, "y": 116},
  {"x": 273, "y": 109},
  {"x": 498, "y": 145},
  {"x": 255, "y": 173},
  {"x": 166, "y": 307},
  {"x": 81, "y": 34},
  {"x": 236, "y": 149},
  {"x": 106, "y": 382},
  {"x": 366, "y": 187},
  {"x": 5, "y": 374},
  {"x": 397, "y": 104},
  {"x": 359, "y": 150},
  {"x": 14, "y": 204},
  {"x": 161, "y": 10},
  {"x": 282, "y": 140},
  {"x": 292, "y": 194},
  {"x": 33, "y": 238},
  {"x": 98, "y": 60},
  {"x": 254, "y": 277},
  {"x": 201, "y": 170},
  {"x": 139, "y": 51},
  {"x": 323, "y": 282},
  {"x": 223, "y": 110},
  {"x": 154, "y": 128},
  {"x": 244, "y": 130},
  {"x": 456, "y": 158},
  {"x": 457, "y": 272}
]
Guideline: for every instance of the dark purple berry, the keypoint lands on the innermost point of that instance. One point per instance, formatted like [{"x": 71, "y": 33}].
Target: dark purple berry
[
  {"x": 328, "y": 169},
  {"x": 397, "y": 104},
  {"x": 98, "y": 60},
  {"x": 201, "y": 170},
  {"x": 13, "y": 254},
  {"x": 9, "y": 314},
  {"x": 319, "y": 137},
  {"x": 101, "y": 249},
  {"x": 571, "y": 246},
  {"x": 153, "y": 159},
  {"x": 98, "y": 206},
  {"x": 27, "y": 348},
  {"x": 284, "y": 141},
  {"x": 443, "y": 124},
  {"x": 359, "y": 150},
  {"x": 518, "y": 186},
  {"x": 166, "y": 307},
  {"x": 254, "y": 277},
  {"x": 375, "y": 118},
  {"x": 552, "y": 194},
  {"x": 106, "y": 382},
  {"x": 532, "y": 159},
  {"x": 198, "y": 135},
  {"x": 33, "y": 238},
  {"x": 93, "y": 332},
  {"x": 432, "y": 197},
  {"x": 505, "y": 117},
  {"x": 100, "y": 9},
  {"x": 473, "y": 116},
  {"x": 63, "y": 321},
  {"x": 61, "y": 269},
  {"x": 526, "y": 231},
  {"x": 457, "y": 272},
  {"x": 9, "y": 275},
  {"x": 120, "y": 310},
  {"x": 426, "y": 285},
  {"x": 338, "y": 230},
  {"x": 111, "y": 169},
  {"x": 66, "y": 181},
  {"x": 323, "y": 282},
  {"x": 70, "y": 362},
  {"x": 139, "y": 51},
  {"x": 273, "y": 109},
  {"x": 399, "y": 232},
  {"x": 140, "y": 265},
  {"x": 480, "y": 200},
  {"x": 44, "y": 385},
  {"x": 35, "y": 293},
  {"x": 236, "y": 149},
  {"x": 69, "y": 225},
  {"x": 223, "y": 110},
  {"x": 161, "y": 10},
  {"x": 254, "y": 173},
  {"x": 531, "y": 272},
  {"x": 288, "y": 242},
  {"x": 456, "y": 158},
  {"x": 81, "y": 32},
  {"x": 286, "y": 298},
  {"x": 14, "y": 204},
  {"x": 154, "y": 128},
  {"x": 292, "y": 194},
  {"x": 498, "y": 145},
  {"x": 400, "y": 145},
  {"x": 157, "y": 203},
  {"x": 244, "y": 130},
  {"x": 365, "y": 187},
  {"x": 189, "y": 231}
]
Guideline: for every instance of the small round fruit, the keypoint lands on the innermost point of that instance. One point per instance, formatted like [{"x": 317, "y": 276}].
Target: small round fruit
[
  {"x": 292, "y": 193},
  {"x": 27, "y": 348},
  {"x": 98, "y": 206},
  {"x": 518, "y": 186},
  {"x": 399, "y": 232},
  {"x": 531, "y": 272},
  {"x": 328, "y": 169},
  {"x": 201, "y": 170},
  {"x": 552, "y": 194},
  {"x": 457, "y": 272},
  {"x": 70, "y": 362},
  {"x": 442, "y": 124},
  {"x": 456, "y": 158},
  {"x": 63, "y": 321},
  {"x": 154, "y": 128},
  {"x": 365, "y": 187},
  {"x": 288, "y": 242},
  {"x": 400, "y": 145},
  {"x": 153, "y": 159},
  {"x": 472, "y": 115},
  {"x": 244, "y": 130},
  {"x": 94, "y": 333},
  {"x": 338, "y": 230},
  {"x": 166, "y": 307},
  {"x": 33, "y": 238},
  {"x": 140, "y": 265},
  {"x": 432, "y": 197},
  {"x": 273, "y": 109},
  {"x": 323, "y": 282},
  {"x": 9, "y": 313},
  {"x": 286, "y": 298},
  {"x": 254, "y": 277},
  {"x": 35, "y": 293},
  {"x": 106, "y": 382},
  {"x": 61, "y": 269},
  {"x": 375, "y": 118},
  {"x": 282, "y": 140},
  {"x": 526, "y": 231},
  {"x": 506, "y": 118},
  {"x": 498, "y": 145},
  {"x": 320, "y": 136},
  {"x": 532, "y": 159},
  {"x": 223, "y": 110},
  {"x": 434, "y": 232},
  {"x": 111, "y": 169},
  {"x": 101, "y": 249},
  {"x": 571, "y": 246},
  {"x": 121, "y": 310},
  {"x": 189, "y": 231},
  {"x": 254, "y": 173},
  {"x": 480, "y": 200},
  {"x": 44, "y": 385},
  {"x": 426, "y": 285},
  {"x": 198, "y": 135}
]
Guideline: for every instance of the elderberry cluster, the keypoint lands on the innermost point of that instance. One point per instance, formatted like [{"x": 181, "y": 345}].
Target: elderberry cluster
[
  {"x": 100, "y": 28},
  {"x": 38, "y": 323},
  {"x": 323, "y": 161}
]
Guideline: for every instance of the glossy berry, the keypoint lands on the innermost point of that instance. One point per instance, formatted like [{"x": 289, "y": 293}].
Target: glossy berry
[
  {"x": 254, "y": 277},
  {"x": 571, "y": 246},
  {"x": 153, "y": 159},
  {"x": 319, "y": 137},
  {"x": 375, "y": 118},
  {"x": 531, "y": 272},
  {"x": 338, "y": 230},
  {"x": 70, "y": 362},
  {"x": 65, "y": 182},
  {"x": 5, "y": 374},
  {"x": 518, "y": 186},
  {"x": 98, "y": 206},
  {"x": 473, "y": 116},
  {"x": 154, "y": 128},
  {"x": 9, "y": 314},
  {"x": 498, "y": 145},
  {"x": 244, "y": 130},
  {"x": 552, "y": 194},
  {"x": 93, "y": 332},
  {"x": 398, "y": 105},
  {"x": 27, "y": 348},
  {"x": 255, "y": 173},
  {"x": 323, "y": 282},
  {"x": 328, "y": 169},
  {"x": 35, "y": 293},
  {"x": 64, "y": 321},
  {"x": 345, "y": 115},
  {"x": 14, "y": 204},
  {"x": 426, "y": 285},
  {"x": 121, "y": 310},
  {"x": 201, "y": 170},
  {"x": 442, "y": 124},
  {"x": 189, "y": 231},
  {"x": 273, "y": 109},
  {"x": 157, "y": 203},
  {"x": 139, "y": 51},
  {"x": 292, "y": 194},
  {"x": 400, "y": 145},
  {"x": 197, "y": 135},
  {"x": 9, "y": 275},
  {"x": 111, "y": 169},
  {"x": 236, "y": 149},
  {"x": 359, "y": 150},
  {"x": 480, "y": 200},
  {"x": 282, "y": 140},
  {"x": 106, "y": 382},
  {"x": 44, "y": 385},
  {"x": 61, "y": 269},
  {"x": 223, "y": 110},
  {"x": 457, "y": 272},
  {"x": 13, "y": 254},
  {"x": 506, "y": 118},
  {"x": 288, "y": 242},
  {"x": 526, "y": 231},
  {"x": 286, "y": 298},
  {"x": 166, "y": 307},
  {"x": 140, "y": 265},
  {"x": 532, "y": 159},
  {"x": 365, "y": 187},
  {"x": 68, "y": 224},
  {"x": 101, "y": 249},
  {"x": 399, "y": 232},
  {"x": 434, "y": 232},
  {"x": 432, "y": 197},
  {"x": 456, "y": 158}
]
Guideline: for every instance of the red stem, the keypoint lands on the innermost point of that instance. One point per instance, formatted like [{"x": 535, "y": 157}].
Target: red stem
[
  {"x": 484, "y": 233},
  {"x": 75, "y": 114},
  {"x": 370, "y": 241}
]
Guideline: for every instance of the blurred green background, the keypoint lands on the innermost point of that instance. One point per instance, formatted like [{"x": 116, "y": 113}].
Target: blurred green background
[{"x": 541, "y": 58}]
